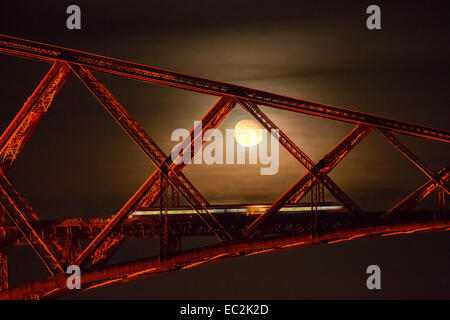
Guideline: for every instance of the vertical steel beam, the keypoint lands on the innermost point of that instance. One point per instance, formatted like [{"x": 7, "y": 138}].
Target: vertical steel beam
[
  {"x": 71, "y": 250},
  {"x": 164, "y": 204},
  {"x": 440, "y": 202},
  {"x": 20, "y": 130}
]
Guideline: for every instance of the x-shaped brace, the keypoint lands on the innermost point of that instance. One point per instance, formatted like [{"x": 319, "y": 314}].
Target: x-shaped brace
[
  {"x": 156, "y": 155},
  {"x": 12, "y": 142},
  {"x": 314, "y": 171}
]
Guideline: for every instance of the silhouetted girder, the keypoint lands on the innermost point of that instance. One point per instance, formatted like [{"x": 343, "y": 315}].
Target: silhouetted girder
[
  {"x": 412, "y": 157},
  {"x": 175, "y": 197},
  {"x": 132, "y": 270},
  {"x": 417, "y": 196},
  {"x": 331, "y": 160},
  {"x": 164, "y": 206},
  {"x": 194, "y": 141},
  {"x": 14, "y": 206},
  {"x": 3, "y": 269},
  {"x": 19, "y": 131},
  {"x": 301, "y": 157},
  {"x": 26, "y": 121},
  {"x": 155, "y": 154},
  {"x": 304, "y": 185},
  {"x": 72, "y": 249},
  {"x": 439, "y": 202},
  {"x": 46, "y": 52}
]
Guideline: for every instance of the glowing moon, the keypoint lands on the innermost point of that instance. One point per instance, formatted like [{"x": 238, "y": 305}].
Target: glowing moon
[{"x": 247, "y": 133}]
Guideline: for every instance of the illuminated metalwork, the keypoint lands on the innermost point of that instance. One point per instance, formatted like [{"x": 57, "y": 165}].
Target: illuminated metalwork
[
  {"x": 417, "y": 196},
  {"x": 270, "y": 226},
  {"x": 15, "y": 207},
  {"x": 132, "y": 270},
  {"x": 23, "y": 125},
  {"x": 46, "y": 52}
]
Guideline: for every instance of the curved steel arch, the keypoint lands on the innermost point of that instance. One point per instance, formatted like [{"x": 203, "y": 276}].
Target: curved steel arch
[{"x": 123, "y": 272}]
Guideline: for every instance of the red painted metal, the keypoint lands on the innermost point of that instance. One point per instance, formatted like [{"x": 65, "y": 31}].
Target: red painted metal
[
  {"x": 3, "y": 269},
  {"x": 51, "y": 53},
  {"x": 418, "y": 195},
  {"x": 331, "y": 160},
  {"x": 157, "y": 156},
  {"x": 413, "y": 158},
  {"x": 108, "y": 234},
  {"x": 119, "y": 273},
  {"x": 301, "y": 157},
  {"x": 14, "y": 206}
]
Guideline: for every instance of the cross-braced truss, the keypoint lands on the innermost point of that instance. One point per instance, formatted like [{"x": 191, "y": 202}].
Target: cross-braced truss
[{"x": 57, "y": 243}]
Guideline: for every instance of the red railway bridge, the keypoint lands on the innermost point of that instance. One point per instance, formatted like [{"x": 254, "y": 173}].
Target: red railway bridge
[{"x": 240, "y": 229}]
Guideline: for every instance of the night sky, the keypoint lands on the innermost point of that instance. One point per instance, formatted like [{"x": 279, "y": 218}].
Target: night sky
[{"x": 79, "y": 163}]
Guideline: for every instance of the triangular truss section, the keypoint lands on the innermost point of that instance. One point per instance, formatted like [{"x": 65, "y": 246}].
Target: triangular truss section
[{"x": 168, "y": 175}]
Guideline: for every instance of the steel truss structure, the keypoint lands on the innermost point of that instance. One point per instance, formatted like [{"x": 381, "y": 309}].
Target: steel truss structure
[{"x": 57, "y": 243}]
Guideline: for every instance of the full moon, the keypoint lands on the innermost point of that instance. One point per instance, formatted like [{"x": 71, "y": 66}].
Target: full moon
[{"x": 247, "y": 133}]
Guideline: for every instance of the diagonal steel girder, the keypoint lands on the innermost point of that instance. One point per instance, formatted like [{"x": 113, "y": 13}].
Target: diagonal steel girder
[
  {"x": 413, "y": 158},
  {"x": 153, "y": 152},
  {"x": 194, "y": 140},
  {"x": 325, "y": 165},
  {"x": 418, "y": 195},
  {"x": 21, "y": 128},
  {"x": 15, "y": 206},
  {"x": 26, "y": 121},
  {"x": 331, "y": 159},
  {"x": 3, "y": 269},
  {"x": 301, "y": 157},
  {"x": 107, "y": 248}
]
